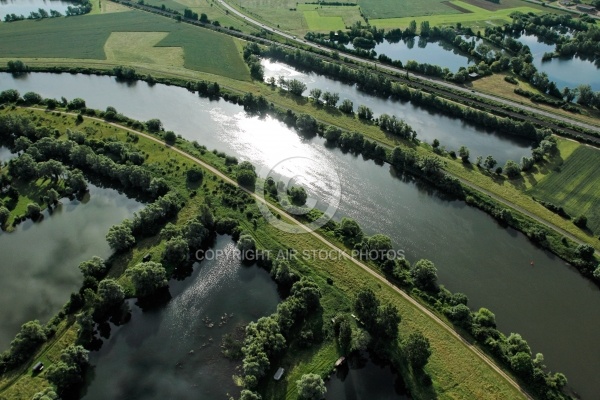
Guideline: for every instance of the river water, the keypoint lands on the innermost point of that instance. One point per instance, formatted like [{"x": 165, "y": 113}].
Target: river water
[
  {"x": 39, "y": 261},
  {"x": 549, "y": 303},
  {"x": 170, "y": 352},
  {"x": 429, "y": 125}
]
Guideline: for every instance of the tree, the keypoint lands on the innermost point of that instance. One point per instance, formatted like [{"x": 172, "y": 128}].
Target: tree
[
  {"x": 424, "y": 274},
  {"x": 388, "y": 319},
  {"x": 111, "y": 294},
  {"x": 33, "y": 211},
  {"x": 147, "y": 278},
  {"x": 16, "y": 66},
  {"x": 527, "y": 163},
  {"x": 490, "y": 163},
  {"x": 460, "y": 315},
  {"x": 246, "y": 178},
  {"x": 580, "y": 221},
  {"x": 32, "y": 98},
  {"x": 194, "y": 174},
  {"x": 364, "y": 112},
  {"x": 154, "y": 125},
  {"x": 331, "y": 99},
  {"x": 463, "y": 153},
  {"x": 94, "y": 268},
  {"x": 345, "y": 336},
  {"x": 23, "y": 167},
  {"x": 176, "y": 252},
  {"x": 120, "y": 237},
  {"x": 27, "y": 341},
  {"x": 417, "y": 350},
  {"x": 435, "y": 144},
  {"x": 350, "y": 229},
  {"x": 366, "y": 306},
  {"x": 332, "y": 133},
  {"x": 347, "y": 107},
  {"x": 296, "y": 87},
  {"x": 586, "y": 95},
  {"x": 249, "y": 395},
  {"x": 311, "y": 387},
  {"x": 298, "y": 195},
  {"x": 307, "y": 124},
  {"x": 522, "y": 364},
  {"x": 68, "y": 373},
  {"x": 247, "y": 246},
  {"x": 46, "y": 394},
  {"x": 4, "y": 215},
  {"x": 485, "y": 318},
  {"x": 169, "y": 136},
  {"x": 512, "y": 169},
  {"x": 316, "y": 94}
]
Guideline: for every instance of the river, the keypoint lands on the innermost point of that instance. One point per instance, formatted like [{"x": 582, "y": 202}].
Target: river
[
  {"x": 429, "y": 125},
  {"x": 550, "y": 303},
  {"x": 39, "y": 261}
]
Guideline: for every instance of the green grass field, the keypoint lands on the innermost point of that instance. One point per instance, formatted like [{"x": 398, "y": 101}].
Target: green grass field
[
  {"x": 576, "y": 187},
  {"x": 316, "y": 22},
  {"x": 377, "y": 9},
  {"x": 85, "y": 38},
  {"x": 475, "y": 14}
]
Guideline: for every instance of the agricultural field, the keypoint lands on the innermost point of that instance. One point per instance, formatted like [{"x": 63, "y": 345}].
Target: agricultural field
[
  {"x": 469, "y": 14},
  {"x": 379, "y": 9},
  {"x": 213, "y": 11},
  {"x": 574, "y": 184},
  {"x": 301, "y": 17},
  {"x": 149, "y": 39}
]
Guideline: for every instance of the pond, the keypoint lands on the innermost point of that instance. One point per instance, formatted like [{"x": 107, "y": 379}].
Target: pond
[
  {"x": 39, "y": 261},
  {"x": 564, "y": 72},
  {"x": 422, "y": 51},
  {"x": 363, "y": 378},
  {"x": 25, "y": 7},
  {"x": 550, "y": 303},
  {"x": 170, "y": 352},
  {"x": 429, "y": 125}
]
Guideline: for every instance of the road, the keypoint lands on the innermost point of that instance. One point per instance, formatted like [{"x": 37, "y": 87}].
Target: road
[
  {"x": 307, "y": 230},
  {"x": 391, "y": 69}
]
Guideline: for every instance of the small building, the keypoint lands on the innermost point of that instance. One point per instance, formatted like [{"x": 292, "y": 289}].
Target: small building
[
  {"x": 586, "y": 8},
  {"x": 279, "y": 374},
  {"x": 147, "y": 257},
  {"x": 38, "y": 367}
]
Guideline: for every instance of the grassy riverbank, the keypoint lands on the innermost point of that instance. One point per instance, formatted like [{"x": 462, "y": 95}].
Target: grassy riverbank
[{"x": 456, "y": 371}]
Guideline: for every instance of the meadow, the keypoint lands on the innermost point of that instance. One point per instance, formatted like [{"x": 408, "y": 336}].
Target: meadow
[
  {"x": 574, "y": 185},
  {"x": 85, "y": 37},
  {"x": 378, "y": 9},
  {"x": 473, "y": 14}
]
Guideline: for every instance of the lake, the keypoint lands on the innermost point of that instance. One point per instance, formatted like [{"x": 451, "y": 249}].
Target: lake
[
  {"x": 25, "y": 7},
  {"x": 39, "y": 261},
  {"x": 170, "y": 352}
]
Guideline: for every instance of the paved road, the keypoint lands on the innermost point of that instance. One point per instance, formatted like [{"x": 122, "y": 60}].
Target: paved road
[
  {"x": 307, "y": 230},
  {"x": 411, "y": 75}
]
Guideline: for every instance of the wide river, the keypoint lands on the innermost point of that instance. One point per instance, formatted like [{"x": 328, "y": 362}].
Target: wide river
[
  {"x": 39, "y": 261},
  {"x": 550, "y": 304}
]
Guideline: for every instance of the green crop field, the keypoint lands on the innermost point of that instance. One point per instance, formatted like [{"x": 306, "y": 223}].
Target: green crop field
[
  {"x": 472, "y": 14},
  {"x": 576, "y": 187},
  {"x": 316, "y": 22},
  {"x": 87, "y": 37},
  {"x": 374, "y": 9}
]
